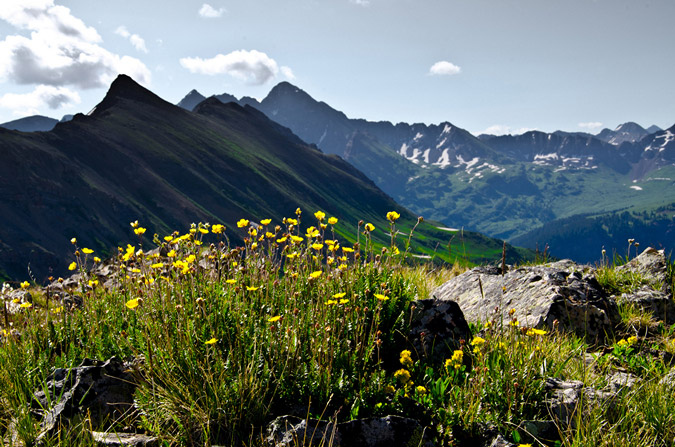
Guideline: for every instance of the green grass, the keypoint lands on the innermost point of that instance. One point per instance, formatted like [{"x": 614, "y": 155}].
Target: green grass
[{"x": 228, "y": 338}]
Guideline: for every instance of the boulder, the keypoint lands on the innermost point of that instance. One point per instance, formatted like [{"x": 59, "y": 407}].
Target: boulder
[
  {"x": 101, "y": 391},
  {"x": 389, "y": 431},
  {"x": 436, "y": 328},
  {"x": 652, "y": 266},
  {"x": 660, "y": 305},
  {"x": 565, "y": 396},
  {"x": 560, "y": 294}
]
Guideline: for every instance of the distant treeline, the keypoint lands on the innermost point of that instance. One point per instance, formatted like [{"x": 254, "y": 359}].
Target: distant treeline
[{"x": 583, "y": 237}]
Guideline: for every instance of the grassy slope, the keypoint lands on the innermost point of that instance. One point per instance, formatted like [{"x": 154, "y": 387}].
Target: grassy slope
[{"x": 228, "y": 347}]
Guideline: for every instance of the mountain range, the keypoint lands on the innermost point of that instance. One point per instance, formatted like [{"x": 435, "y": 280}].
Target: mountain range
[
  {"x": 138, "y": 157},
  {"x": 508, "y": 186}
]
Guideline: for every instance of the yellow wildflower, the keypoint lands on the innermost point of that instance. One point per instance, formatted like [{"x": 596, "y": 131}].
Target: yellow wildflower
[
  {"x": 344, "y": 301},
  {"x": 73, "y": 241},
  {"x": 97, "y": 259},
  {"x": 265, "y": 221},
  {"x": 231, "y": 281},
  {"x": 477, "y": 341},
  {"x": 204, "y": 231},
  {"x": 290, "y": 221},
  {"x": 217, "y": 228},
  {"x": 242, "y": 223},
  {"x": 347, "y": 250},
  {"x": 315, "y": 274},
  {"x": 72, "y": 266},
  {"x": 312, "y": 232},
  {"x": 320, "y": 215},
  {"x": 87, "y": 251},
  {"x": 139, "y": 230},
  {"x": 392, "y": 216},
  {"x": 158, "y": 265},
  {"x": 332, "y": 220},
  {"x": 171, "y": 254},
  {"x": 26, "y": 305},
  {"x": 389, "y": 389},
  {"x": 133, "y": 304},
  {"x": 25, "y": 284},
  {"x": 339, "y": 295},
  {"x": 421, "y": 390},
  {"x": 381, "y": 297},
  {"x": 295, "y": 238},
  {"x": 369, "y": 227},
  {"x": 632, "y": 340},
  {"x": 252, "y": 288},
  {"x": 292, "y": 255},
  {"x": 532, "y": 331},
  {"x": 281, "y": 240},
  {"x": 317, "y": 246},
  {"x": 405, "y": 359},
  {"x": 211, "y": 341},
  {"x": 274, "y": 319},
  {"x": 298, "y": 211},
  {"x": 402, "y": 375},
  {"x": 330, "y": 302}
]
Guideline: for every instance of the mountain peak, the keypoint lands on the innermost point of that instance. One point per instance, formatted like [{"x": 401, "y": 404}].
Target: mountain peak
[
  {"x": 285, "y": 88},
  {"x": 630, "y": 126},
  {"x": 125, "y": 88},
  {"x": 190, "y": 101}
]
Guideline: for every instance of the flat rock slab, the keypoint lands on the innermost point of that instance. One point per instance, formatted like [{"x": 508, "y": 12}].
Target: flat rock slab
[
  {"x": 561, "y": 292},
  {"x": 389, "y": 431},
  {"x": 123, "y": 440}
]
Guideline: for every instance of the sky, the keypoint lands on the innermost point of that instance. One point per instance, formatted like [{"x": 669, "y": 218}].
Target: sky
[{"x": 488, "y": 66}]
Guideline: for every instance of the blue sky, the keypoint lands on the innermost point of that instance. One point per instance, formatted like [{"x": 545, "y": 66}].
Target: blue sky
[{"x": 484, "y": 65}]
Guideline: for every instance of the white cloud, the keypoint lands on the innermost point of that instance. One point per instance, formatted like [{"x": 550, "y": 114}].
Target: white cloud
[
  {"x": 592, "y": 125},
  {"x": 501, "y": 129},
  {"x": 360, "y": 2},
  {"x": 444, "y": 68},
  {"x": 253, "y": 67},
  {"x": 135, "y": 40},
  {"x": 61, "y": 50},
  {"x": 287, "y": 72},
  {"x": 209, "y": 12},
  {"x": 43, "y": 96}
]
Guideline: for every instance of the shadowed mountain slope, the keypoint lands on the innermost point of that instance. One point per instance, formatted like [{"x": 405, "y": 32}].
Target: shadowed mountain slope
[{"x": 137, "y": 156}]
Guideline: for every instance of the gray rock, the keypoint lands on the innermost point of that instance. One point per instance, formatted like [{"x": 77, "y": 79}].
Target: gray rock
[
  {"x": 658, "y": 303},
  {"x": 123, "y": 439},
  {"x": 561, "y": 292},
  {"x": 499, "y": 441},
  {"x": 668, "y": 379},
  {"x": 436, "y": 328},
  {"x": 103, "y": 391},
  {"x": 539, "y": 431},
  {"x": 389, "y": 431},
  {"x": 15, "y": 299},
  {"x": 565, "y": 396},
  {"x": 651, "y": 264}
]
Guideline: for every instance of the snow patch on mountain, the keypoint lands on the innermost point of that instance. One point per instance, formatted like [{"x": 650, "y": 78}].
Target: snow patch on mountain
[{"x": 444, "y": 160}]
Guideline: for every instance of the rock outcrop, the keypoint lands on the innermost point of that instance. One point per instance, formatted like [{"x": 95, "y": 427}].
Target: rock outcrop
[
  {"x": 389, "y": 431},
  {"x": 103, "y": 391},
  {"x": 561, "y": 294}
]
